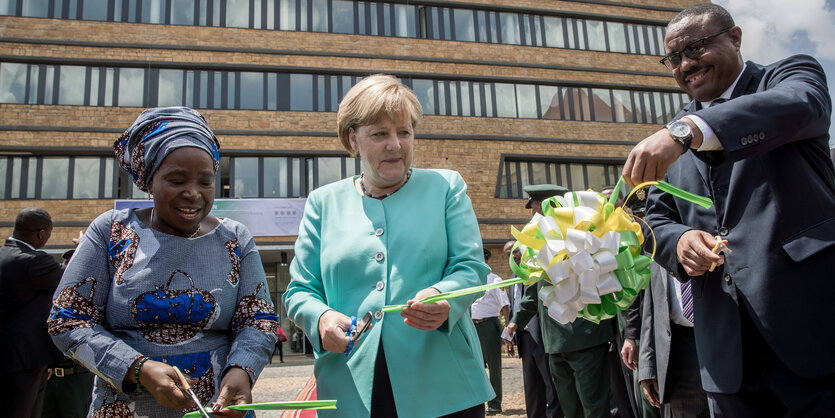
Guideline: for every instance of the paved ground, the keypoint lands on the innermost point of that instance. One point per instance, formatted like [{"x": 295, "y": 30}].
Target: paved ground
[{"x": 282, "y": 381}]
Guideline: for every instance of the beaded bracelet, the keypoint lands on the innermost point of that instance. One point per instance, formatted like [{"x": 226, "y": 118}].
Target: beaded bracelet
[{"x": 136, "y": 371}]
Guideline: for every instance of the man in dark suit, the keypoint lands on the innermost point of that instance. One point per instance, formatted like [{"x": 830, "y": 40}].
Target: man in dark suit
[
  {"x": 28, "y": 278},
  {"x": 540, "y": 395},
  {"x": 576, "y": 351},
  {"x": 762, "y": 156},
  {"x": 668, "y": 368}
]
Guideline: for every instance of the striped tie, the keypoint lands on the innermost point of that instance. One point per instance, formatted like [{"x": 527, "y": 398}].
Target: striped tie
[{"x": 687, "y": 301}]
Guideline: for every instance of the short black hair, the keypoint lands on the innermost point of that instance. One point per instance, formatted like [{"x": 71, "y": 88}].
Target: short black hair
[
  {"x": 31, "y": 220},
  {"x": 716, "y": 13},
  {"x": 487, "y": 254}
]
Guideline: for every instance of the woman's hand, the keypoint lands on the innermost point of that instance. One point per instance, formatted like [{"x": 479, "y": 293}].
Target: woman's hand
[
  {"x": 160, "y": 380},
  {"x": 235, "y": 389},
  {"x": 425, "y": 316},
  {"x": 333, "y": 331}
]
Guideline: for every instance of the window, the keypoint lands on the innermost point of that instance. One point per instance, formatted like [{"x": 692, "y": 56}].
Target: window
[
  {"x": 464, "y": 25},
  {"x": 575, "y": 174},
  {"x": 12, "y": 82}
]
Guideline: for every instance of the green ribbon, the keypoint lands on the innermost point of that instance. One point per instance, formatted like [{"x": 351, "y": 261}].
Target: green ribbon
[
  {"x": 456, "y": 293},
  {"x": 273, "y": 406}
]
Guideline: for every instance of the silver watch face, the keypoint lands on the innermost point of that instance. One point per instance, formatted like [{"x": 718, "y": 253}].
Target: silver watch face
[{"x": 680, "y": 129}]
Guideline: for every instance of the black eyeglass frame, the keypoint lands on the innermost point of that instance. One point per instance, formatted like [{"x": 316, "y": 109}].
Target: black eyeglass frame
[{"x": 689, "y": 51}]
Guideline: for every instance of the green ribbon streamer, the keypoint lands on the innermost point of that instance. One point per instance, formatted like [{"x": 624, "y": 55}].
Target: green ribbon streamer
[
  {"x": 456, "y": 293},
  {"x": 273, "y": 406},
  {"x": 684, "y": 194}
]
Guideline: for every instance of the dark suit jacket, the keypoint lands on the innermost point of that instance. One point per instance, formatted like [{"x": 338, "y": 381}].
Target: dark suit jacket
[
  {"x": 656, "y": 332},
  {"x": 28, "y": 279},
  {"x": 558, "y": 338},
  {"x": 775, "y": 203}
]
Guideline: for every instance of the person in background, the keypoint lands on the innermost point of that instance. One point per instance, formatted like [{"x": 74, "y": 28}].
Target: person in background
[
  {"x": 540, "y": 395},
  {"x": 28, "y": 277},
  {"x": 576, "y": 351},
  {"x": 755, "y": 139},
  {"x": 668, "y": 367},
  {"x": 170, "y": 286},
  {"x": 391, "y": 235},
  {"x": 485, "y": 313},
  {"x": 69, "y": 389}
]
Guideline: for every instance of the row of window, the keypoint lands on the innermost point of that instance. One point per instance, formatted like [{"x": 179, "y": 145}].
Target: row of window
[
  {"x": 516, "y": 173},
  {"x": 361, "y": 17},
  {"x": 97, "y": 177},
  {"x": 150, "y": 87}
]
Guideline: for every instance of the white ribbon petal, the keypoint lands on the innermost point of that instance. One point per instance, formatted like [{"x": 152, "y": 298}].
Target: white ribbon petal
[
  {"x": 581, "y": 262},
  {"x": 607, "y": 262},
  {"x": 560, "y": 272},
  {"x": 611, "y": 241},
  {"x": 581, "y": 212},
  {"x": 575, "y": 241},
  {"x": 549, "y": 228},
  {"x": 566, "y": 290},
  {"x": 592, "y": 243},
  {"x": 609, "y": 284},
  {"x": 588, "y": 286}
]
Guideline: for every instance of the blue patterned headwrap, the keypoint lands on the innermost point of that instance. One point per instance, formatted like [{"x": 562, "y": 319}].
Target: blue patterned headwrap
[{"x": 157, "y": 132}]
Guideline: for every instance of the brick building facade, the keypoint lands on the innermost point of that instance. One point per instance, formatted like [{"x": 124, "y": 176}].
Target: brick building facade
[{"x": 514, "y": 91}]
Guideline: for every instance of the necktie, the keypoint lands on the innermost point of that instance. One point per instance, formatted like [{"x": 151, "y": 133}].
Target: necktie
[{"x": 687, "y": 301}]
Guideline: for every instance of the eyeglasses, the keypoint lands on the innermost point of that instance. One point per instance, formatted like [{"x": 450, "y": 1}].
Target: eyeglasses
[{"x": 693, "y": 50}]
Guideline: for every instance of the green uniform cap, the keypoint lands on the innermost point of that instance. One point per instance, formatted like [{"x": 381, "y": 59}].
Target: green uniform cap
[{"x": 540, "y": 192}]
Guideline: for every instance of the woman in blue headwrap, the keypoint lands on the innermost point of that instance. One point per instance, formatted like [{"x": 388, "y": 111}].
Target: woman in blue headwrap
[{"x": 169, "y": 286}]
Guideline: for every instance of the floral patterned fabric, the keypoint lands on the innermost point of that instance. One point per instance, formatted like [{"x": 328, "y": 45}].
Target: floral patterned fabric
[{"x": 132, "y": 291}]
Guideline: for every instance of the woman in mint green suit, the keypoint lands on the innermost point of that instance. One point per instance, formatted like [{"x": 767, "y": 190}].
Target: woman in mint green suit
[{"x": 393, "y": 235}]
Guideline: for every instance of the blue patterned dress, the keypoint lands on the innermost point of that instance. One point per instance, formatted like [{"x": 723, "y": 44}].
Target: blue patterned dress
[{"x": 201, "y": 304}]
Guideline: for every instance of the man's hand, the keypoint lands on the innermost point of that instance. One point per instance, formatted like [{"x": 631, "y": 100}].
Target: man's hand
[
  {"x": 77, "y": 241},
  {"x": 511, "y": 331},
  {"x": 425, "y": 316},
  {"x": 694, "y": 251},
  {"x": 629, "y": 354},
  {"x": 333, "y": 329},
  {"x": 651, "y": 158},
  {"x": 650, "y": 388}
]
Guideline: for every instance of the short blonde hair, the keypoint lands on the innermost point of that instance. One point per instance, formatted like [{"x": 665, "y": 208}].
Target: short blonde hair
[{"x": 370, "y": 100}]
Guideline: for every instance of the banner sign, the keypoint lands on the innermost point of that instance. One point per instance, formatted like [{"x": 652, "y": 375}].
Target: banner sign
[{"x": 263, "y": 217}]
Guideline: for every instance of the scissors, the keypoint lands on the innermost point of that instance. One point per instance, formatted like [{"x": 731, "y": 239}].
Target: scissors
[
  {"x": 358, "y": 329},
  {"x": 185, "y": 387}
]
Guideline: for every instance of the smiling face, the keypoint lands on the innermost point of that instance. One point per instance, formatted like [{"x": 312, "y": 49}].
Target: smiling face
[
  {"x": 708, "y": 76},
  {"x": 184, "y": 189},
  {"x": 385, "y": 150}
]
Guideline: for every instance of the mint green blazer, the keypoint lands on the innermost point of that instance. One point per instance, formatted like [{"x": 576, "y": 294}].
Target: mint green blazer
[{"x": 356, "y": 254}]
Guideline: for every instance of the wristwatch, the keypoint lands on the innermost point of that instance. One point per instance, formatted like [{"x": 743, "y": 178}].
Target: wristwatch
[{"x": 681, "y": 133}]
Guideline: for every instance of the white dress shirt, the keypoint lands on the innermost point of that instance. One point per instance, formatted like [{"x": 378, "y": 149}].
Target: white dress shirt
[
  {"x": 489, "y": 305},
  {"x": 674, "y": 293}
]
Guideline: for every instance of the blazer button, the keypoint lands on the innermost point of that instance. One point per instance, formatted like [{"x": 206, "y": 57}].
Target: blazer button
[
  {"x": 723, "y": 231},
  {"x": 728, "y": 278},
  {"x": 379, "y": 232},
  {"x": 378, "y": 315},
  {"x": 380, "y": 256},
  {"x": 381, "y": 285}
]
